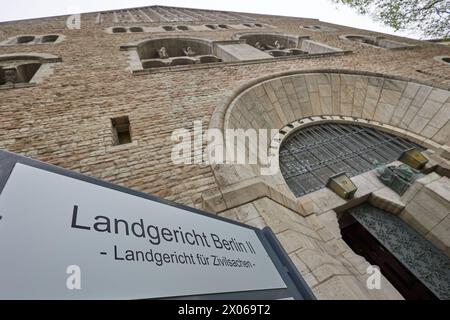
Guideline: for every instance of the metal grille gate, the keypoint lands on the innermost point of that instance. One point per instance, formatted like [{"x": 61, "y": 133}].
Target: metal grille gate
[{"x": 311, "y": 155}]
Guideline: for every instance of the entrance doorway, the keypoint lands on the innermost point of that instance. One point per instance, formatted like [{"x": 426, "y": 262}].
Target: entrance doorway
[
  {"x": 366, "y": 245},
  {"x": 412, "y": 265}
]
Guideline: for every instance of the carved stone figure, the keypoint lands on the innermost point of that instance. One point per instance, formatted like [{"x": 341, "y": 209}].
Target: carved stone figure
[
  {"x": 163, "y": 53},
  {"x": 259, "y": 46},
  {"x": 278, "y": 45},
  {"x": 189, "y": 52},
  {"x": 10, "y": 76}
]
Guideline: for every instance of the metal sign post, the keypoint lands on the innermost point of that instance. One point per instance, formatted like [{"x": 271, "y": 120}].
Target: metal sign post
[{"x": 64, "y": 235}]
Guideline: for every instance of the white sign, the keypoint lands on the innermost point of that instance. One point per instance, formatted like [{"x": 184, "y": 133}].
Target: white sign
[{"x": 63, "y": 238}]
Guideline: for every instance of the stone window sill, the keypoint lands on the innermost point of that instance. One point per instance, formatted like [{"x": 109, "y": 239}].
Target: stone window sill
[
  {"x": 17, "y": 86},
  {"x": 122, "y": 147},
  {"x": 233, "y": 63}
]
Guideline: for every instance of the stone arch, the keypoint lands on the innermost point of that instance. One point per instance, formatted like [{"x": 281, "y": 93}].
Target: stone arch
[
  {"x": 25, "y": 69},
  {"x": 404, "y": 106},
  {"x": 309, "y": 229}
]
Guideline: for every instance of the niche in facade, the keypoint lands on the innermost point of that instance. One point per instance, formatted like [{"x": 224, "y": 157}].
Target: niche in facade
[
  {"x": 25, "y": 39},
  {"x": 32, "y": 39},
  {"x": 279, "y": 45},
  {"x": 380, "y": 42},
  {"x": 169, "y": 52},
  {"x": 49, "y": 38},
  {"x": 23, "y": 69}
]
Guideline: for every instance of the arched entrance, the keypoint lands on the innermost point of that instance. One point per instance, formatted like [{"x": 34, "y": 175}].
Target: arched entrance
[{"x": 308, "y": 225}]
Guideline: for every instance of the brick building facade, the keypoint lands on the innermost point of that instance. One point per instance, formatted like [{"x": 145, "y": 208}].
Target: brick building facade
[{"x": 63, "y": 85}]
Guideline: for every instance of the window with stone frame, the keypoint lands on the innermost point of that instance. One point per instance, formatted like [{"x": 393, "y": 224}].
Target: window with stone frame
[
  {"x": 170, "y": 52},
  {"x": 23, "y": 70},
  {"x": 282, "y": 45},
  {"x": 377, "y": 41},
  {"x": 121, "y": 130},
  {"x": 33, "y": 39}
]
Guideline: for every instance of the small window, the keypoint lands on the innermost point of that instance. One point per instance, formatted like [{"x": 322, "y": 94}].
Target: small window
[
  {"x": 25, "y": 39},
  {"x": 168, "y": 28},
  {"x": 121, "y": 130},
  {"x": 224, "y": 26},
  {"x": 211, "y": 26},
  {"x": 258, "y": 25},
  {"x": 136, "y": 29},
  {"x": 446, "y": 60},
  {"x": 119, "y": 30},
  {"x": 49, "y": 38},
  {"x": 248, "y": 25},
  {"x": 182, "y": 28}
]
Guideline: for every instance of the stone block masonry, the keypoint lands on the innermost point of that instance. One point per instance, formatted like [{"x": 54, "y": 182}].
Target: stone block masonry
[{"x": 66, "y": 120}]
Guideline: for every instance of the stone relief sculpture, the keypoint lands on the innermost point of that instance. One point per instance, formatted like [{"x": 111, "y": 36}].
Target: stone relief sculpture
[
  {"x": 189, "y": 52},
  {"x": 163, "y": 53},
  {"x": 259, "y": 46},
  {"x": 278, "y": 45},
  {"x": 10, "y": 76}
]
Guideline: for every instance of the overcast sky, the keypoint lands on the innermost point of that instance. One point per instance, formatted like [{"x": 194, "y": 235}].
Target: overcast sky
[{"x": 324, "y": 10}]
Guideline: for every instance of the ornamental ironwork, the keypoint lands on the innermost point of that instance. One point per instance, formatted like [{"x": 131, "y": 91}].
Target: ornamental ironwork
[
  {"x": 309, "y": 156},
  {"x": 430, "y": 265}
]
